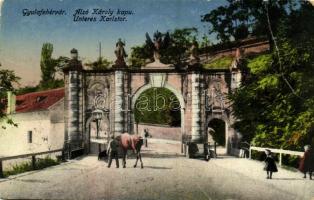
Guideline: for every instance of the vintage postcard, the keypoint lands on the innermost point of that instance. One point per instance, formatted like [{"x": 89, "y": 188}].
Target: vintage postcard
[{"x": 156, "y": 99}]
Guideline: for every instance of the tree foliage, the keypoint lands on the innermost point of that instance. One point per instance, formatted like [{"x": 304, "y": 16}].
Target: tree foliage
[
  {"x": 238, "y": 19},
  {"x": 100, "y": 64},
  {"x": 181, "y": 41},
  {"x": 7, "y": 81},
  {"x": 158, "y": 106},
  {"x": 49, "y": 67},
  {"x": 47, "y": 63},
  {"x": 274, "y": 105}
]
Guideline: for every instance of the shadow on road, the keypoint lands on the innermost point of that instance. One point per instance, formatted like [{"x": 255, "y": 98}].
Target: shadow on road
[
  {"x": 156, "y": 167},
  {"x": 289, "y": 179},
  {"x": 32, "y": 180},
  {"x": 163, "y": 155}
]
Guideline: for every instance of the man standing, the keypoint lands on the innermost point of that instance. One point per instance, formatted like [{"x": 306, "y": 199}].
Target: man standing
[
  {"x": 113, "y": 151},
  {"x": 146, "y": 135}
]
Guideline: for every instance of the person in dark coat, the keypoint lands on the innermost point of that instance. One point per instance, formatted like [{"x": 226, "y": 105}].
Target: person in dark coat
[
  {"x": 307, "y": 161},
  {"x": 146, "y": 135},
  {"x": 270, "y": 165},
  {"x": 113, "y": 151}
]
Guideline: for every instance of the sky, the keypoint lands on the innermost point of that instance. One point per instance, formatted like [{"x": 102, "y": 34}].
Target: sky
[{"x": 21, "y": 37}]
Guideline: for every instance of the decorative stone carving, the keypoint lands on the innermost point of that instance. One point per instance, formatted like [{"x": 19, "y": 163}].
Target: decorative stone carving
[
  {"x": 98, "y": 97},
  {"x": 157, "y": 80},
  {"x": 217, "y": 94},
  {"x": 238, "y": 58}
]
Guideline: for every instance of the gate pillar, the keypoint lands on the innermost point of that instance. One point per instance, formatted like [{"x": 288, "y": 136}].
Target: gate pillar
[
  {"x": 196, "y": 107},
  {"x": 118, "y": 104}
]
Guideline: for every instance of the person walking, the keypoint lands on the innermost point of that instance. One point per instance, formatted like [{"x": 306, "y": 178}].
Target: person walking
[
  {"x": 113, "y": 151},
  {"x": 307, "y": 161},
  {"x": 270, "y": 165}
]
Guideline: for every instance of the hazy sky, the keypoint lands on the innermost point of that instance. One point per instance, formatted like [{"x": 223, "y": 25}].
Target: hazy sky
[{"x": 21, "y": 37}]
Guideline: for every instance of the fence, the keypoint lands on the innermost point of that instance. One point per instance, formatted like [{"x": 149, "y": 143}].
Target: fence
[
  {"x": 279, "y": 151},
  {"x": 33, "y": 155}
]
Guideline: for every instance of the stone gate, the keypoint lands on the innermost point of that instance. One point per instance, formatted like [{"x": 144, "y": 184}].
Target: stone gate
[{"x": 112, "y": 93}]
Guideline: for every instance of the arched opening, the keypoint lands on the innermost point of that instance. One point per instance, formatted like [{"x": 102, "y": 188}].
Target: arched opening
[
  {"x": 217, "y": 134},
  {"x": 158, "y": 110},
  {"x": 96, "y": 141}
]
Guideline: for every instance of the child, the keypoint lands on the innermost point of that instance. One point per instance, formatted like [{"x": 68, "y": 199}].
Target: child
[{"x": 270, "y": 165}]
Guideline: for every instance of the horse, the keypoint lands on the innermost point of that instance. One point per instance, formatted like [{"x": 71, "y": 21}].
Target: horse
[{"x": 131, "y": 142}]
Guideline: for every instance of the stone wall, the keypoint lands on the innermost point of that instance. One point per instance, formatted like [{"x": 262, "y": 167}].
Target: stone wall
[
  {"x": 253, "y": 48},
  {"x": 160, "y": 132}
]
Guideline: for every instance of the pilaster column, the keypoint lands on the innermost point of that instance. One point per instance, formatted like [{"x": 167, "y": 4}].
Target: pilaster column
[
  {"x": 196, "y": 110},
  {"x": 74, "y": 108},
  {"x": 73, "y": 104},
  {"x": 118, "y": 108}
]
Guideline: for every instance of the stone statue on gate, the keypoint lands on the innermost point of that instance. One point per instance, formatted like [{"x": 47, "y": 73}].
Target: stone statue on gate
[
  {"x": 239, "y": 54},
  {"x": 160, "y": 41},
  {"x": 120, "y": 53},
  {"x": 194, "y": 58}
]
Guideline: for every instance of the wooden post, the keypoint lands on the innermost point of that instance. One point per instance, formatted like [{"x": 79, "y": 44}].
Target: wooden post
[
  {"x": 250, "y": 153},
  {"x": 280, "y": 158},
  {"x": 137, "y": 128},
  {"x": 182, "y": 143},
  {"x": 33, "y": 162},
  {"x": 215, "y": 148},
  {"x": 63, "y": 156},
  {"x": 1, "y": 170}
]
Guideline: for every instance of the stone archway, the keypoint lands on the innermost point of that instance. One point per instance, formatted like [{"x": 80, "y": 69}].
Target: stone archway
[
  {"x": 228, "y": 129},
  {"x": 89, "y": 137}
]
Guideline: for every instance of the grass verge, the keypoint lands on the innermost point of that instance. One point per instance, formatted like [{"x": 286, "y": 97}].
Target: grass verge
[{"x": 41, "y": 163}]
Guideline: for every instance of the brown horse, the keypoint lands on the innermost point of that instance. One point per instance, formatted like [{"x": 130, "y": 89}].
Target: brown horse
[{"x": 131, "y": 142}]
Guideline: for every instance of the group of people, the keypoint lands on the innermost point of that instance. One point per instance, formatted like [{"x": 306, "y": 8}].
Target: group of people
[{"x": 306, "y": 163}]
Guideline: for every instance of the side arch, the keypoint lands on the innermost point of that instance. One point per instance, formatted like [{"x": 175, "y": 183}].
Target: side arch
[{"x": 228, "y": 129}]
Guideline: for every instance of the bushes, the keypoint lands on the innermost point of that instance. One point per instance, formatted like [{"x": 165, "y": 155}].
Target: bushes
[
  {"x": 220, "y": 63},
  {"x": 41, "y": 163}
]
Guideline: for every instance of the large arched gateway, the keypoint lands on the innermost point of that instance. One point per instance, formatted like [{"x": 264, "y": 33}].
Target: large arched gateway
[{"x": 107, "y": 98}]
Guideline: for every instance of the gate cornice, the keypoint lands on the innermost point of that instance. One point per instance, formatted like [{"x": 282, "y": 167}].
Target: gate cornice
[{"x": 143, "y": 70}]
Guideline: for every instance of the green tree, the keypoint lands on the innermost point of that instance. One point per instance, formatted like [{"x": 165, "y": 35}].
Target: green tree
[
  {"x": 51, "y": 71},
  {"x": 158, "y": 106},
  {"x": 238, "y": 19},
  {"x": 181, "y": 40},
  {"x": 100, "y": 64},
  {"x": 49, "y": 68},
  {"x": 140, "y": 55},
  {"x": 274, "y": 105},
  {"x": 7, "y": 81},
  {"x": 47, "y": 63}
]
